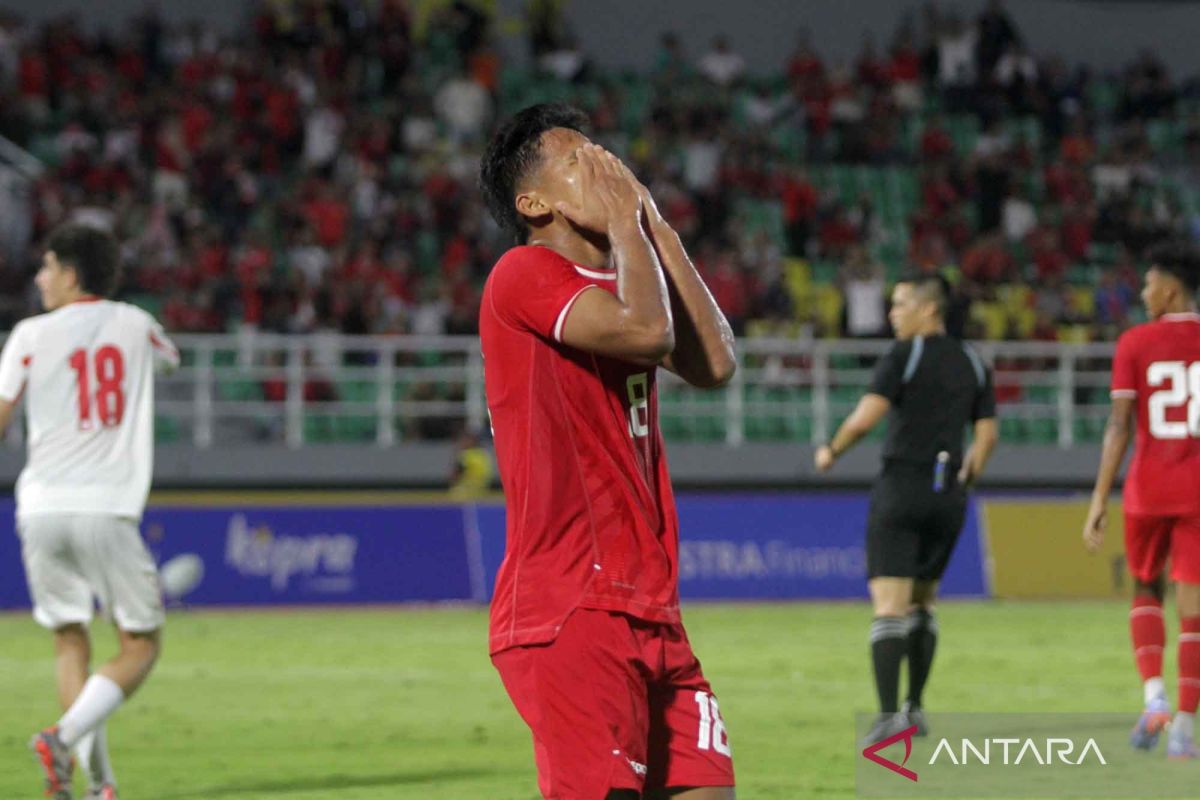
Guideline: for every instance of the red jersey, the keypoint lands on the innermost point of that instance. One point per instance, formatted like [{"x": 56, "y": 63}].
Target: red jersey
[
  {"x": 591, "y": 517},
  {"x": 1158, "y": 363}
]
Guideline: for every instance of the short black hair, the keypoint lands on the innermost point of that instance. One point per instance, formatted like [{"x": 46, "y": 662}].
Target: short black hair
[
  {"x": 1180, "y": 260},
  {"x": 513, "y": 151},
  {"x": 92, "y": 252},
  {"x": 932, "y": 287}
]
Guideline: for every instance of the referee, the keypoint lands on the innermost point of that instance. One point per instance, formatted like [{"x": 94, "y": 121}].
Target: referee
[{"x": 931, "y": 386}]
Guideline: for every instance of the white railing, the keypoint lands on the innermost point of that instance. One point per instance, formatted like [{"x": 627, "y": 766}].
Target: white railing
[{"x": 384, "y": 390}]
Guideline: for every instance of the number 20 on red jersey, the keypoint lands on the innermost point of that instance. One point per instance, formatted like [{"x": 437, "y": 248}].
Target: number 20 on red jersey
[{"x": 1181, "y": 386}]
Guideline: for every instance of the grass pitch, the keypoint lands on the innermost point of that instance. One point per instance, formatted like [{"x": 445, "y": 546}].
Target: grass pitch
[{"x": 403, "y": 703}]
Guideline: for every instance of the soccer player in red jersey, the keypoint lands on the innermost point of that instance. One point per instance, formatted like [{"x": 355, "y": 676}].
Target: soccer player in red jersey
[
  {"x": 1156, "y": 380},
  {"x": 574, "y": 322}
]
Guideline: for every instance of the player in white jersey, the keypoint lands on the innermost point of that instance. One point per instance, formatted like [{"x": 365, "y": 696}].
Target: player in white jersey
[{"x": 86, "y": 371}]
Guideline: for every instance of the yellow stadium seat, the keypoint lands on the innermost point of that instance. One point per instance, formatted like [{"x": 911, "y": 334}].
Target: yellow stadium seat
[
  {"x": 1025, "y": 321},
  {"x": 992, "y": 317},
  {"x": 1074, "y": 334},
  {"x": 1015, "y": 297},
  {"x": 1083, "y": 301},
  {"x": 829, "y": 309}
]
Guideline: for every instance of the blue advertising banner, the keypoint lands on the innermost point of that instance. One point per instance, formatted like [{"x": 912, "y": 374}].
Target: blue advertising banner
[
  {"x": 731, "y": 547},
  {"x": 775, "y": 546},
  {"x": 320, "y": 554}
]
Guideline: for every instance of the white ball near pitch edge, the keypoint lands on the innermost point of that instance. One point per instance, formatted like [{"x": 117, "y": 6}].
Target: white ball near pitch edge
[{"x": 181, "y": 575}]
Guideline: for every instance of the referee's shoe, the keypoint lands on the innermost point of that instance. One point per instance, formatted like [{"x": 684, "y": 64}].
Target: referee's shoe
[{"x": 885, "y": 726}]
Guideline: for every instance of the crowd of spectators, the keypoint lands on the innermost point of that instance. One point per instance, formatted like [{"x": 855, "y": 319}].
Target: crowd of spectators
[{"x": 316, "y": 171}]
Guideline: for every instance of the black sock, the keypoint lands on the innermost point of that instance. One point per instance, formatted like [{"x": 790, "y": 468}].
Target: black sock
[
  {"x": 889, "y": 643},
  {"x": 922, "y": 641}
]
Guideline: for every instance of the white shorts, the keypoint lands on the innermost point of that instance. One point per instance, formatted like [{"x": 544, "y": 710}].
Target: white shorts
[{"x": 71, "y": 558}]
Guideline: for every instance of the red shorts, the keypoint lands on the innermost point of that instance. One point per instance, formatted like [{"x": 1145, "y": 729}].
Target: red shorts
[
  {"x": 617, "y": 703},
  {"x": 1150, "y": 540}
]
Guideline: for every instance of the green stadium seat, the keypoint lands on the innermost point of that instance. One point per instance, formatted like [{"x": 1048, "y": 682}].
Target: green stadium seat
[
  {"x": 151, "y": 303},
  {"x": 1088, "y": 430},
  {"x": 239, "y": 390},
  {"x": 357, "y": 391},
  {"x": 319, "y": 428},
  {"x": 357, "y": 428},
  {"x": 846, "y": 393},
  {"x": 673, "y": 428},
  {"x": 1041, "y": 394},
  {"x": 166, "y": 429},
  {"x": 824, "y": 271},
  {"x": 1044, "y": 431},
  {"x": 1013, "y": 431}
]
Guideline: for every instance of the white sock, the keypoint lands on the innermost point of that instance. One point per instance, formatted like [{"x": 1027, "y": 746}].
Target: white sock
[
  {"x": 1184, "y": 723},
  {"x": 1154, "y": 688},
  {"x": 99, "y": 699},
  {"x": 92, "y": 752}
]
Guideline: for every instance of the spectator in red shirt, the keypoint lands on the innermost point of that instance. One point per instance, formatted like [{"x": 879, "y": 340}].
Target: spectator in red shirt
[
  {"x": 195, "y": 120},
  {"x": 805, "y": 65},
  {"x": 1078, "y": 147},
  {"x": 905, "y": 68},
  {"x": 837, "y": 234},
  {"x": 871, "y": 70},
  {"x": 988, "y": 261},
  {"x": 725, "y": 281},
  {"x": 938, "y": 193},
  {"x": 800, "y": 199},
  {"x": 1048, "y": 256},
  {"x": 328, "y": 215},
  {"x": 935, "y": 140},
  {"x": 1076, "y": 231}
]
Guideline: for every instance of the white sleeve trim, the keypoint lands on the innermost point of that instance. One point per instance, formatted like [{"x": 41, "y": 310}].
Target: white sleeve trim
[
  {"x": 1123, "y": 393},
  {"x": 562, "y": 315}
]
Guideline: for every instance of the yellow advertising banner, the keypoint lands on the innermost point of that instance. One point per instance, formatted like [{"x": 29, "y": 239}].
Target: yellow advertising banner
[{"x": 1036, "y": 550}]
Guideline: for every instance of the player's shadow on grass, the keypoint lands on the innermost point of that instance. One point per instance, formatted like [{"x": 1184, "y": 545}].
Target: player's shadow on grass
[{"x": 331, "y": 782}]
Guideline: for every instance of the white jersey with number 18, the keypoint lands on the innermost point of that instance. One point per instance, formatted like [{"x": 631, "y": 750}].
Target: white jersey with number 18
[{"x": 87, "y": 374}]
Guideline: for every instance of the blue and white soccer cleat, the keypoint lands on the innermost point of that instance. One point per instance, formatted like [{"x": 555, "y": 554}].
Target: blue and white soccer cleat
[
  {"x": 1181, "y": 746},
  {"x": 1154, "y": 719}
]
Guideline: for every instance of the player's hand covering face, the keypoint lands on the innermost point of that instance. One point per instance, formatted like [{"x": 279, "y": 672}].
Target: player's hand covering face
[
  {"x": 607, "y": 194},
  {"x": 581, "y": 182}
]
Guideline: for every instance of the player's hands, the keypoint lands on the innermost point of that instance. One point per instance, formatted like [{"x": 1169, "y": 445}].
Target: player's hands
[
  {"x": 966, "y": 475},
  {"x": 823, "y": 459},
  {"x": 1093, "y": 529},
  {"x": 650, "y": 213},
  {"x": 607, "y": 190}
]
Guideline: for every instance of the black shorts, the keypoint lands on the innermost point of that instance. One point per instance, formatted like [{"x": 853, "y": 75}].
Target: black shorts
[{"x": 912, "y": 529}]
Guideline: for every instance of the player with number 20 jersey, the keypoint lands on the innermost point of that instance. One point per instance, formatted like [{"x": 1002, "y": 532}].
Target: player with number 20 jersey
[{"x": 1156, "y": 381}]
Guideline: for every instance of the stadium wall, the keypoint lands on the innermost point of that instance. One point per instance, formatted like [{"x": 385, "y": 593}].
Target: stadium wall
[
  {"x": 624, "y": 33},
  {"x": 1102, "y": 33},
  {"x": 350, "y": 548},
  {"x": 426, "y": 466}
]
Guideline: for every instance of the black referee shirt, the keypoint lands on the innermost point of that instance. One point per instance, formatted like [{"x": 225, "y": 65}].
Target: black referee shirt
[{"x": 936, "y": 385}]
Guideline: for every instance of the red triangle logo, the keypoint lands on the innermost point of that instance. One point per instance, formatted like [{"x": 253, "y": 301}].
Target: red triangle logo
[{"x": 872, "y": 752}]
